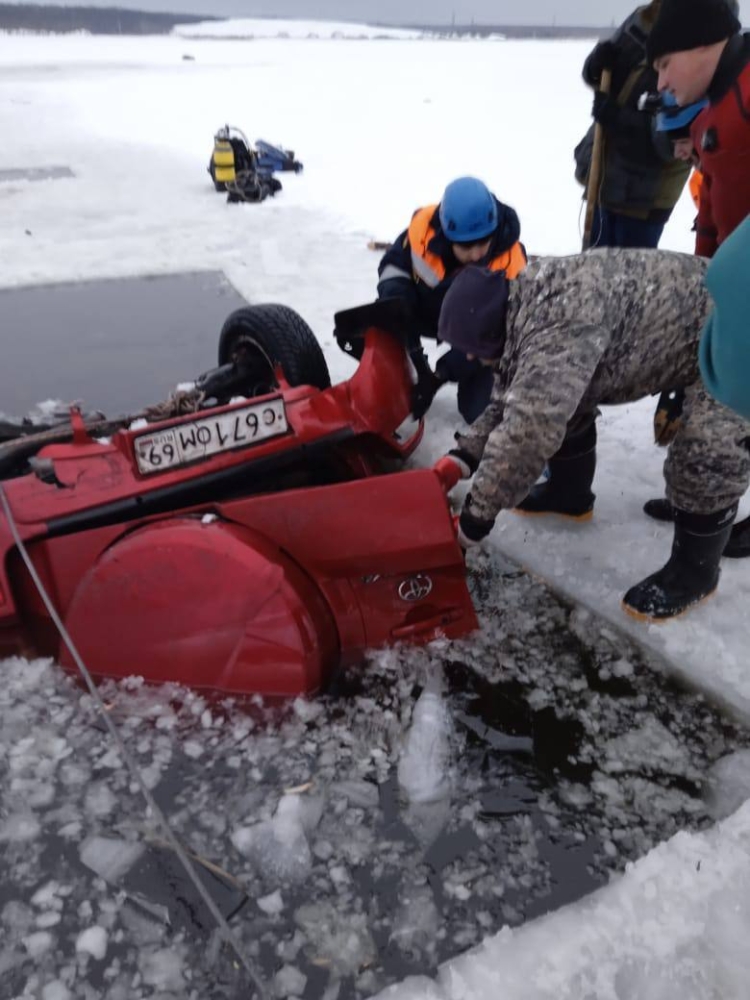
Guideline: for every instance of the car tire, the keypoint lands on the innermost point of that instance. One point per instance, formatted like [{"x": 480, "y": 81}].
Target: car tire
[{"x": 275, "y": 335}]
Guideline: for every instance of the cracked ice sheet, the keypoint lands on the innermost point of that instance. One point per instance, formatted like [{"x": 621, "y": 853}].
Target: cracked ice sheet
[
  {"x": 339, "y": 881},
  {"x": 675, "y": 925}
]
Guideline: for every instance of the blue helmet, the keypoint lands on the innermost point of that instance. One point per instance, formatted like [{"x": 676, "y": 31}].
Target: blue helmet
[
  {"x": 673, "y": 117},
  {"x": 468, "y": 211}
]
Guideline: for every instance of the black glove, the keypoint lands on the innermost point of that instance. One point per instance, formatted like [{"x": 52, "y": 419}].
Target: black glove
[
  {"x": 423, "y": 393},
  {"x": 603, "y": 57},
  {"x": 471, "y": 530},
  {"x": 605, "y": 110},
  {"x": 668, "y": 416},
  {"x": 428, "y": 383}
]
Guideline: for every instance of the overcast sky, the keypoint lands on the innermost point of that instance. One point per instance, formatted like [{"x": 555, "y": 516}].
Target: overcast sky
[{"x": 596, "y": 12}]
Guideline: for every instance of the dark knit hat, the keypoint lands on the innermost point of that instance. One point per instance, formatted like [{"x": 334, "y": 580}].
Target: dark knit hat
[
  {"x": 689, "y": 24},
  {"x": 472, "y": 317}
]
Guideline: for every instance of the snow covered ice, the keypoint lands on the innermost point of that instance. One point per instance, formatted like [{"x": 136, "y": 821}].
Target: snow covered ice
[{"x": 611, "y": 760}]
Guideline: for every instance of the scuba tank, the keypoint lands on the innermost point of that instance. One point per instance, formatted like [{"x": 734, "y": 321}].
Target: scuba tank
[{"x": 222, "y": 159}]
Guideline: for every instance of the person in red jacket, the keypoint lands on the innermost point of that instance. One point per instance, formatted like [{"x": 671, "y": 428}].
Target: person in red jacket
[{"x": 699, "y": 51}]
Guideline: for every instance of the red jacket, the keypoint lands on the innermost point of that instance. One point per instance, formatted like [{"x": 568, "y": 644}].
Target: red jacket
[{"x": 721, "y": 135}]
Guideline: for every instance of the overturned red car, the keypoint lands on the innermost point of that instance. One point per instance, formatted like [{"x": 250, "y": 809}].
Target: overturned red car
[{"x": 251, "y": 535}]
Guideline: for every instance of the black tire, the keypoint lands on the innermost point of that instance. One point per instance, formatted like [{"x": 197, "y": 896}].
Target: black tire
[{"x": 271, "y": 335}]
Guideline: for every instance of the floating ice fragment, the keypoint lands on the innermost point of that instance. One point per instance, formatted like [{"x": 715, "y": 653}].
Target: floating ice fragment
[
  {"x": 289, "y": 982},
  {"x": 423, "y": 770},
  {"x": 110, "y": 859},
  {"x": 728, "y": 784},
  {"x": 56, "y": 991},
  {"x": 92, "y": 941},
  {"x": 271, "y": 904},
  {"x": 20, "y": 827},
  {"x": 278, "y": 847},
  {"x": 37, "y": 944},
  {"x": 162, "y": 968}
]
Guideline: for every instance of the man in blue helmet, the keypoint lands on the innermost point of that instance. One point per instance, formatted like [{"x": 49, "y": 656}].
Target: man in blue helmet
[{"x": 469, "y": 226}]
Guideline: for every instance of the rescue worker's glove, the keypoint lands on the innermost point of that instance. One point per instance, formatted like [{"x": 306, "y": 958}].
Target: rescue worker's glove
[
  {"x": 453, "y": 467},
  {"x": 427, "y": 384},
  {"x": 668, "y": 416},
  {"x": 605, "y": 110},
  {"x": 472, "y": 530},
  {"x": 603, "y": 57}
]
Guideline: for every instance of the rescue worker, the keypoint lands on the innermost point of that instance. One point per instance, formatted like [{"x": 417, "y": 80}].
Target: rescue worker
[
  {"x": 699, "y": 51},
  {"x": 469, "y": 226},
  {"x": 641, "y": 178},
  {"x": 572, "y": 334},
  {"x": 725, "y": 345}
]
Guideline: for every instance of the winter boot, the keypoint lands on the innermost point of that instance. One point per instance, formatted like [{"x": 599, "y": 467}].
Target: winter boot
[
  {"x": 692, "y": 572},
  {"x": 660, "y": 510},
  {"x": 738, "y": 546},
  {"x": 567, "y": 490}
]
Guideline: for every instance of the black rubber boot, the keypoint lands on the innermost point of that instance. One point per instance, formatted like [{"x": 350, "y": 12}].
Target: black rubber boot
[
  {"x": 738, "y": 546},
  {"x": 692, "y": 572},
  {"x": 660, "y": 510},
  {"x": 567, "y": 491}
]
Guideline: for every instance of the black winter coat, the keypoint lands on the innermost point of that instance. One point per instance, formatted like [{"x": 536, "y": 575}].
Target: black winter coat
[{"x": 641, "y": 178}]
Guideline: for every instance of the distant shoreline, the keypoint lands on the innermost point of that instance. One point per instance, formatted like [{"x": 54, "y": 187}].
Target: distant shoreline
[{"x": 44, "y": 18}]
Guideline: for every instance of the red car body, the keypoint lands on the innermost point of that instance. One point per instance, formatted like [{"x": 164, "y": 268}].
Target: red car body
[{"x": 232, "y": 572}]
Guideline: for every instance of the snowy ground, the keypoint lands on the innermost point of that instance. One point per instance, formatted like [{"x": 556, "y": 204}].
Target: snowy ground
[{"x": 380, "y": 128}]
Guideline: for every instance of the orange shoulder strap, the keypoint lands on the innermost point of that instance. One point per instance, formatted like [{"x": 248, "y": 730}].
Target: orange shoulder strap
[{"x": 512, "y": 261}]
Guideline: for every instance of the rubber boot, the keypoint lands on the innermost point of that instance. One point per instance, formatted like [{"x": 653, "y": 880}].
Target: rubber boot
[
  {"x": 692, "y": 572},
  {"x": 660, "y": 510},
  {"x": 567, "y": 490},
  {"x": 738, "y": 546}
]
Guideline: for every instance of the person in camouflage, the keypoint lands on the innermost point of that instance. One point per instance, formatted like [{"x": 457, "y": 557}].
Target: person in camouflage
[{"x": 571, "y": 334}]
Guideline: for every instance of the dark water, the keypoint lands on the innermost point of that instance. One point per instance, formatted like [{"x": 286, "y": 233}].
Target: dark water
[
  {"x": 114, "y": 345},
  {"x": 570, "y": 756}
]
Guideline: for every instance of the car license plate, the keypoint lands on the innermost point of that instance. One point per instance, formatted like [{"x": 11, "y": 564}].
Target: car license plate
[{"x": 190, "y": 442}]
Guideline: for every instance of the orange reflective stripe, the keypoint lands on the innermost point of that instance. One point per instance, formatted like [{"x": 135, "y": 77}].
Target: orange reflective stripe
[
  {"x": 429, "y": 267},
  {"x": 695, "y": 183}
]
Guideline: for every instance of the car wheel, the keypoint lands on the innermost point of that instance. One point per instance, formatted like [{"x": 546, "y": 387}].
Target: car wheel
[{"x": 264, "y": 336}]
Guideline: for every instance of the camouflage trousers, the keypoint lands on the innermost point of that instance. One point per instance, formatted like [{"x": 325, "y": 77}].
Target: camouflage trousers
[{"x": 707, "y": 468}]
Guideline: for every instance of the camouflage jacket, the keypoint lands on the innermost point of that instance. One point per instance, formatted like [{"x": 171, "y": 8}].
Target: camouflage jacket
[{"x": 607, "y": 326}]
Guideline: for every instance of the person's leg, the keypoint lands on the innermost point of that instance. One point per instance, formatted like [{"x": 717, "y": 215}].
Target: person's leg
[
  {"x": 707, "y": 471},
  {"x": 474, "y": 382},
  {"x": 602, "y": 228},
  {"x": 630, "y": 232},
  {"x": 474, "y": 391},
  {"x": 738, "y": 546},
  {"x": 567, "y": 489}
]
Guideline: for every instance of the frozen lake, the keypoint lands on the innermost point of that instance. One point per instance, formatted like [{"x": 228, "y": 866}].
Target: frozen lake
[{"x": 559, "y": 754}]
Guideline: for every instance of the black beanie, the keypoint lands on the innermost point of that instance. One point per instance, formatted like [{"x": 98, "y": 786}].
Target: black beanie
[
  {"x": 472, "y": 317},
  {"x": 689, "y": 24}
]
